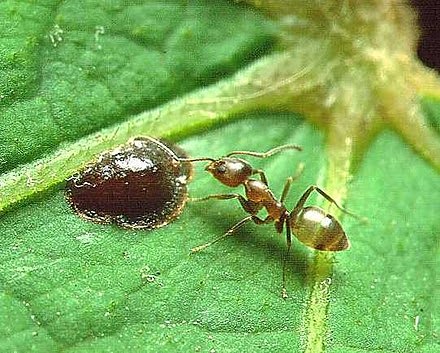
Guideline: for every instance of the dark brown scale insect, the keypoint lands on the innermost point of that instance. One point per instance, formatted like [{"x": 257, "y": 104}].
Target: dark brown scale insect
[
  {"x": 142, "y": 184},
  {"x": 311, "y": 225}
]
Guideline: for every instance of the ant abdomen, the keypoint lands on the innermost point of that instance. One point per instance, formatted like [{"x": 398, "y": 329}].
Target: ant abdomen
[{"x": 319, "y": 230}]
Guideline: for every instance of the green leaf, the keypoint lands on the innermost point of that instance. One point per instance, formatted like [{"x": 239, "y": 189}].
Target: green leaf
[
  {"x": 387, "y": 283},
  {"x": 70, "y": 69},
  {"x": 79, "y": 79},
  {"x": 81, "y": 286}
]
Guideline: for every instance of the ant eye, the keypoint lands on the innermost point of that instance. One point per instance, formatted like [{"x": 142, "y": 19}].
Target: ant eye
[{"x": 221, "y": 169}]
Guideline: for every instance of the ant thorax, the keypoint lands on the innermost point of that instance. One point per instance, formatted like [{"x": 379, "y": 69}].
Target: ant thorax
[{"x": 257, "y": 191}]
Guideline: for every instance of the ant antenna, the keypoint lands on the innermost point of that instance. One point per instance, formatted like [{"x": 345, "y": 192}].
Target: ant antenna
[
  {"x": 268, "y": 153},
  {"x": 249, "y": 153},
  {"x": 201, "y": 159}
]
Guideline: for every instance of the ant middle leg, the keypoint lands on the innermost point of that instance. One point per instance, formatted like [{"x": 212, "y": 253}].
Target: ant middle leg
[
  {"x": 290, "y": 180},
  {"x": 228, "y": 233},
  {"x": 259, "y": 221},
  {"x": 231, "y": 230}
]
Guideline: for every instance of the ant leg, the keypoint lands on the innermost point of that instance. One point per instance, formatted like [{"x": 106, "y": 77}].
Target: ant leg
[
  {"x": 286, "y": 257},
  {"x": 289, "y": 181},
  {"x": 216, "y": 196},
  {"x": 228, "y": 233},
  {"x": 261, "y": 174},
  {"x": 249, "y": 206},
  {"x": 269, "y": 219},
  {"x": 258, "y": 220},
  {"x": 286, "y": 189},
  {"x": 305, "y": 196}
]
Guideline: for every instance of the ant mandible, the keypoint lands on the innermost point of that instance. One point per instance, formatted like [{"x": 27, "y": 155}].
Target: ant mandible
[{"x": 311, "y": 225}]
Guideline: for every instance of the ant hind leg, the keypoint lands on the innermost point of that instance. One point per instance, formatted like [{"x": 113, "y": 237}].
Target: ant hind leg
[
  {"x": 286, "y": 257},
  {"x": 306, "y": 195}
]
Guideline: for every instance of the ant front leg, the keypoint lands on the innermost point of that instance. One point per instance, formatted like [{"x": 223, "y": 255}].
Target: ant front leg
[
  {"x": 216, "y": 196},
  {"x": 261, "y": 174},
  {"x": 248, "y": 205}
]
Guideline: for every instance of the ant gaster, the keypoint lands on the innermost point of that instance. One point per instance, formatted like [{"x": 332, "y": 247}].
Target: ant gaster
[{"x": 311, "y": 225}]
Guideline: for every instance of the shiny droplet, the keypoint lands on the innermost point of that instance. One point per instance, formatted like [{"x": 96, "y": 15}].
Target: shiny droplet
[{"x": 137, "y": 185}]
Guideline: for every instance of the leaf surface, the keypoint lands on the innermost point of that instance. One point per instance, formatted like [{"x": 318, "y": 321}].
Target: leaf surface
[{"x": 81, "y": 79}]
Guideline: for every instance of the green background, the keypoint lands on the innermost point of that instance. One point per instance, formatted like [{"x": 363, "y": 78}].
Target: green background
[{"x": 73, "y": 286}]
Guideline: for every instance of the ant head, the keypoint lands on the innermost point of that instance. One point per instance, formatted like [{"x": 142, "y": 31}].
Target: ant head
[
  {"x": 230, "y": 171},
  {"x": 319, "y": 230}
]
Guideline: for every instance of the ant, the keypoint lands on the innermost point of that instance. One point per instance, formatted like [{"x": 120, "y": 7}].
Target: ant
[{"x": 311, "y": 225}]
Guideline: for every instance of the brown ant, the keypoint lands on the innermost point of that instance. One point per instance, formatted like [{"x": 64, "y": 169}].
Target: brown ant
[{"x": 311, "y": 225}]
